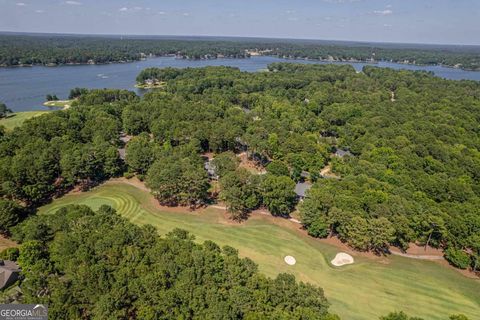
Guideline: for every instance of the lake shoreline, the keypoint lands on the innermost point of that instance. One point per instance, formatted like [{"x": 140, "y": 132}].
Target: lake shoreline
[
  {"x": 24, "y": 89},
  {"x": 287, "y": 59}
]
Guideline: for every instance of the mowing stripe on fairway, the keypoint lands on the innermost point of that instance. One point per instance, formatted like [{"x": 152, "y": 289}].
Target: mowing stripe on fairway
[{"x": 363, "y": 291}]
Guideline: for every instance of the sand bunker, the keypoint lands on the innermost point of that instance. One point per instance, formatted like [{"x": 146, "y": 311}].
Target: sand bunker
[
  {"x": 342, "y": 259},
  {"x": 290, "y": 260}
]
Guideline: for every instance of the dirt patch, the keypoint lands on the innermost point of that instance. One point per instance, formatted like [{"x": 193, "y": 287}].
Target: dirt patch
[
  {"x": 416, "y": 250},
  {"x": 208, "y": 155},
  {"x": 326, "y": 172},
  {"x": 6, "y": 243},
  {"x": 135, "y": 182},
  {"x": 250, "y": 165}
]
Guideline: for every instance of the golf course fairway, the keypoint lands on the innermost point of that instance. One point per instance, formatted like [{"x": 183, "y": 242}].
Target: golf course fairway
[
  {"x": 18, "y": 118},
  {"x": 365, "y": 290}
]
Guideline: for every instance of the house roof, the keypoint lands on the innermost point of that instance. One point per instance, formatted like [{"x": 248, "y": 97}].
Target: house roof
[
  {"x": 305, "y": 174},
  {"x": 8, "y": 273},
  {"x": 342, "y": 153},
  {"x": 122, "y": 153},
  {"x": 125, "y": 138},
  {"x": 301, "y": 188},
  {"x": 210, "y": 169}
]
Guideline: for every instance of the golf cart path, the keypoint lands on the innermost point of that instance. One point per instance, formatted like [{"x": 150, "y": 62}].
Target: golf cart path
[{"x": 419, "y": 257}]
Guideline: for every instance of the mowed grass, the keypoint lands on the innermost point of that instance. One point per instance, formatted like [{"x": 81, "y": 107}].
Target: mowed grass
[
  {"x": 365, "y": 290},
  {"x": 16, "y": 119}
]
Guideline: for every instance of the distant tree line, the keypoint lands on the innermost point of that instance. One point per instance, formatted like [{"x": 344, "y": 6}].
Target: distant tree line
[{"x": 60, "y": 49}]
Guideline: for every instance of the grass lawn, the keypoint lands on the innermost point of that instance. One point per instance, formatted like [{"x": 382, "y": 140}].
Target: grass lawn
[
  {"x": 16, "y": 119},
  {"x": 365, "y": 290}
]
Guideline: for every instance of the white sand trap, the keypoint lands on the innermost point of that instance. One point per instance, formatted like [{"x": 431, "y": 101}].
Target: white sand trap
[
  {"x": 290, "y": 260},
  {"x": 342, "y": 259}
]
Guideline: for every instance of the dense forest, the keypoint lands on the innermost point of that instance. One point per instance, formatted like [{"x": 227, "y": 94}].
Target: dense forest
[
  {"x": 62, "y": 49},
  {"x": 97, "y": 265},
  {"x": 409, "y": 172}
]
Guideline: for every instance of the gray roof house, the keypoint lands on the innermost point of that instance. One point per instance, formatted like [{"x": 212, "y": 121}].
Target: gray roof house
[
  {"x": 122, "y": 153},
  {"x": 124, "y": 138},
  {"x": 301, "y": 189},
  {"x": 343, "y": 153},
  {"x": 9, "y": 271},
  {"x": 211, "y": 169}
]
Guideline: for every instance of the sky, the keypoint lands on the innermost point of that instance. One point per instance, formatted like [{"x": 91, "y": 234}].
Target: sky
[{"x": 406, "y": 21}]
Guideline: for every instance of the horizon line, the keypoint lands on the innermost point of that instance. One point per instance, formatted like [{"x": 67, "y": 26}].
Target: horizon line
[{"x": 235, "y": 37}]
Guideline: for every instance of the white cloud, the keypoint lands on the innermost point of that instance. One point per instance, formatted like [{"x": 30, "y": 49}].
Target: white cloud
[
  {"x": 186, "y": 14},
  {"x": 40, "y": 11},
  {"x": 162, "y": 12},
  {"x": 73, "y": 3},
  {"x": 21, "y": 4},
  {"x": 125, "y": 9},
  {"x": 386, "y": 25},
  {"x": 385, "y": 12}
]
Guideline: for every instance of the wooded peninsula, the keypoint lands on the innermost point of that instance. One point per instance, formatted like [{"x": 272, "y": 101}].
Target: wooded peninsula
[{"x": 53, "y": 50}]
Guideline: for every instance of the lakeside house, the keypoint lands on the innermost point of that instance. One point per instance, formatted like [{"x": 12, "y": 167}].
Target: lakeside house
[
  {"x": 9, "y": 272},
  {"x": 301, "y": 189}
]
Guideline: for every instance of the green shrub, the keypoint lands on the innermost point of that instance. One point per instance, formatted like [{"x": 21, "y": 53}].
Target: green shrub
[
  {"x": 10, "y": 254},
  {"x": 278, "y": 168},
  {"x": 458, "y": 258},
  {"x": 128, "y": 175},
  {"x": 319, "y": 229}
]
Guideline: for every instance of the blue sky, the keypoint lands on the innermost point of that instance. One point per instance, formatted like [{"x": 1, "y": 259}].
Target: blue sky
[{"x": 415, "y": 21}]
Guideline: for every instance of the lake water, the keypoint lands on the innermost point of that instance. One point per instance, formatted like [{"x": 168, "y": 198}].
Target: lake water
[{"x": 23, "y": 89}]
